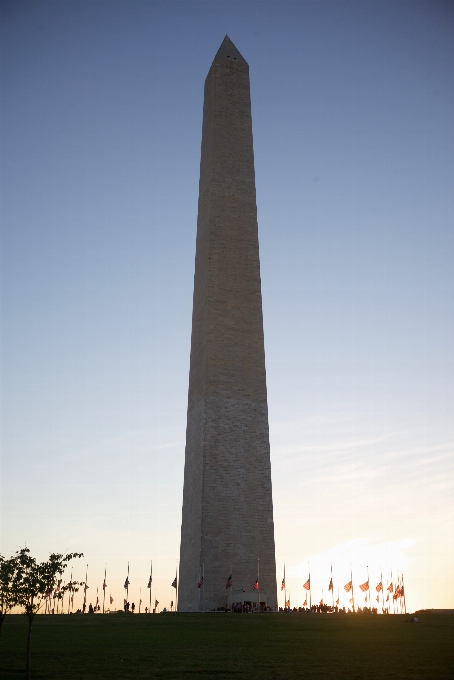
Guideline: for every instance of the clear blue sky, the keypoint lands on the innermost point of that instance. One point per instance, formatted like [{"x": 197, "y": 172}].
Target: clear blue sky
[{"x": 101, "y": 115}]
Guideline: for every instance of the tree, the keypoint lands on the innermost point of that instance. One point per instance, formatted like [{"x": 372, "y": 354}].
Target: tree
[
  {"x": 8, "y": 573},
  {"x": 34, "y": 581}
]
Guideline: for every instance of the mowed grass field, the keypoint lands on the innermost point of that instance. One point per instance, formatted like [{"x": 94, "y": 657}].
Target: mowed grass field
[{"x": 249, "y": 646}]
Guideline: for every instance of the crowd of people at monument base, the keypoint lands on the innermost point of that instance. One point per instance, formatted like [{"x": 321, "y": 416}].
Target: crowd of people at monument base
[
  {"x": 327, "y": 609},
  {"x": 246, "y": 608}
]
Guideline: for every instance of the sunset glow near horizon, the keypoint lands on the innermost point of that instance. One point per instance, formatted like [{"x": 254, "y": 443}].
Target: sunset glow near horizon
[{"x": 352, "y": 109}]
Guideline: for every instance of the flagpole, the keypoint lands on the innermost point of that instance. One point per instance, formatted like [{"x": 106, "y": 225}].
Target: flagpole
[
  {"x": 258, "y": 581},
  {"x": 176, "y": 589},
  {"x": 151, "y": 581},
  {"x": 392, "y": 598},
  {"x": 397, "y": 587},
  {"x": 398, "y": 599},
  {"x": 353, "y": 594},
  {"x": 382, "y": 589},
  {"x": 310, "y": 592},
  {"x": 203, "y": 584},
  {"x": 140, "y": 597},
  {"x": 85, "y": 591},
  {"x": 368, "y": 588},
  {"x": 127, "y": 591},
  {"x": 396, "y": 590},
  {"x": 285, "y": 589},
  {"x": 332, "y": 584},
  {"x": 231, "y": 588},
  {"x": 104, "y": 589}
]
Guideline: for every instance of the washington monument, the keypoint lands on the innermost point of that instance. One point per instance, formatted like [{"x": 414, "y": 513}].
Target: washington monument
[{"x": 227, "y": 525}]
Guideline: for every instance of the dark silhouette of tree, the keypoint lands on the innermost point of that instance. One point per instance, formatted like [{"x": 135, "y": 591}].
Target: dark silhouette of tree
[
  {"x": 8, "y": 573},
  {"x": 35, "y": 580}
]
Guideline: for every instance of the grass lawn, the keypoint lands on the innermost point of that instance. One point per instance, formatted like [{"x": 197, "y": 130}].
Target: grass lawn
[{"x": 249, "y": 646}]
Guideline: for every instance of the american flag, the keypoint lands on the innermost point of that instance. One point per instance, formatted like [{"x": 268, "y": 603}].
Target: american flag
[
  {"x": 287, "y": 604},
  {"x": 351, "y": 600},
  {"x": 86, "y": 587},
  {"x": 171, "y": 603},
  {"x": 156, "y": 603},
  {"x": 348, "y": 586},
  {"x": 337, "y": 601},
  {"x": 305, "y": 603},
  {"x": 229, "y": 582},
  {"x": 174, "y": 582},
  {"x": 104, "y": 585},
  {"x": 283, "y": 584},
  {"x": 111, "y": 599},
  {"x": 126, "y": 583},
  {"x": 200, "y": 583},
  {"x": 378, "y": 599},
  {"x": 330, "y": 587},
  {"x": 149, "y": 583},
  {"x": 379, "y": 587},
  {"x": 256, "y": 585},
  {"x": 390, "y": 588},
  {"x": 321, "y": 602},
  {"x": 364, "y": 586},
  {"x": 402, "y": 592},
  {"x": 307, "y": 585}
]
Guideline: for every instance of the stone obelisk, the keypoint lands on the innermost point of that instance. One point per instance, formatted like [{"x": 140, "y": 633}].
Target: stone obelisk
[{"x": 227, "y": 523}]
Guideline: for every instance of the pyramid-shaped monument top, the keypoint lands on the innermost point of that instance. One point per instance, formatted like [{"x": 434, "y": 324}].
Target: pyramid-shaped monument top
[{"x": 229, "y": 51}]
